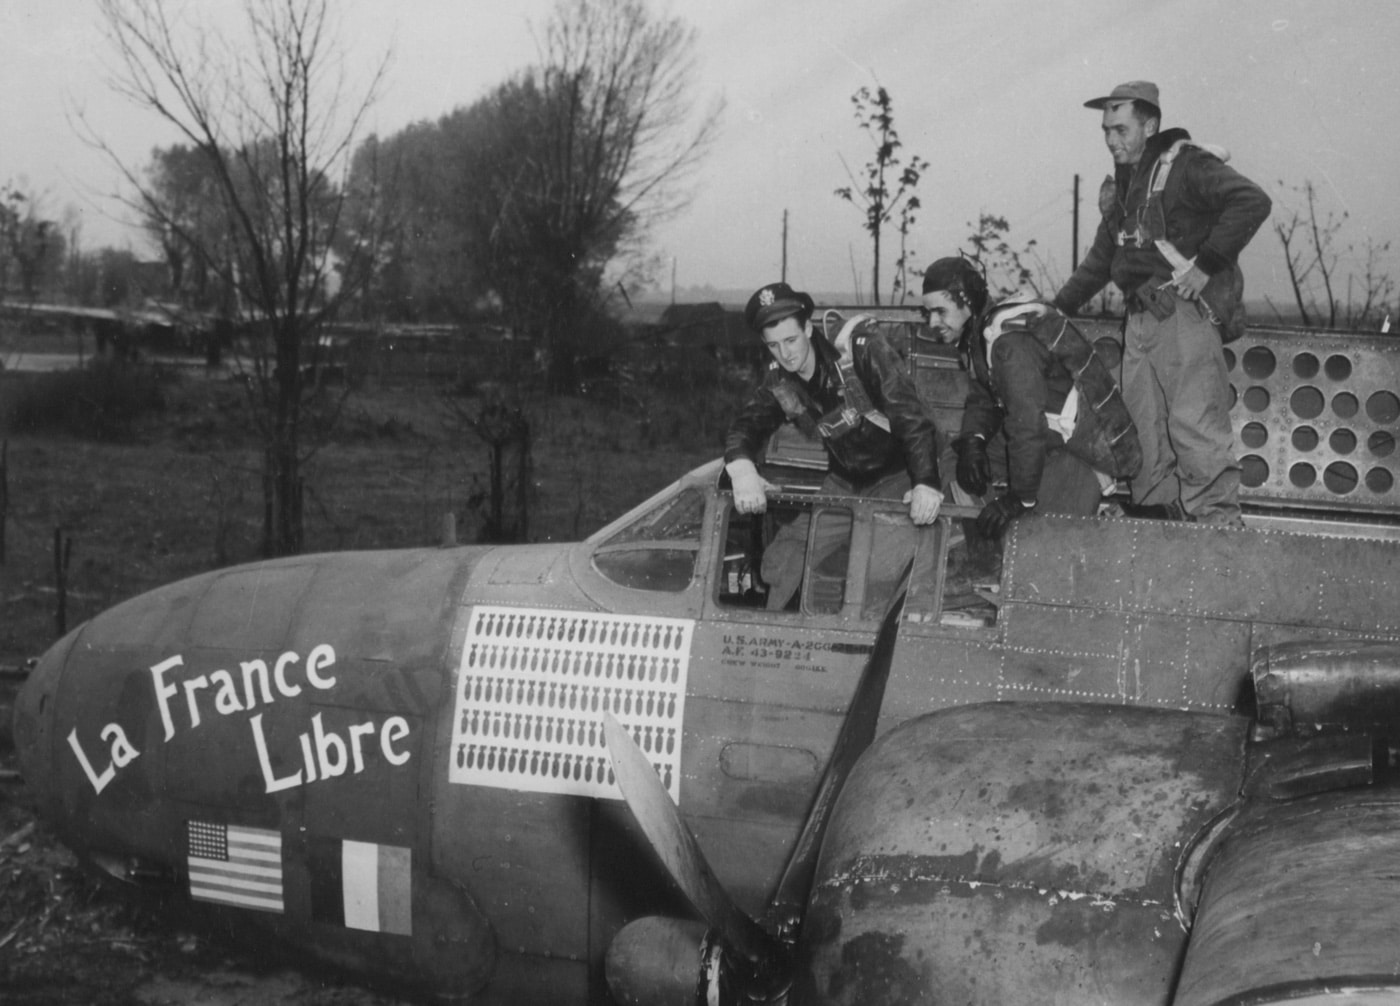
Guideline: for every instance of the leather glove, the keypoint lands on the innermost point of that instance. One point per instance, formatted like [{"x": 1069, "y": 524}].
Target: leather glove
[
  {"x": 750, "y": 488},
  {"x": 974, "y": 469},
  {"x": 997, "y": 516}
]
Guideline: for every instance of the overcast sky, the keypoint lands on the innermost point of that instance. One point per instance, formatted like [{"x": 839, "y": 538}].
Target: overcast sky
[{"x": 990, "y": 93}]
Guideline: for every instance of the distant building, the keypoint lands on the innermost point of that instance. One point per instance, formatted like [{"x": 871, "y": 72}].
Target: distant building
[{"x": 711, "y": 328}]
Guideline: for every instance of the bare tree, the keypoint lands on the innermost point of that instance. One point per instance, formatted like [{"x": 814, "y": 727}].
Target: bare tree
[
  {"x": 875, "y": 197},
  {"x": 1310, "y": 254},
  {"x": 1008, "y": 269},
  {"x": 585, "y": 153},
  {"x": 271, "y": 118},
  {"x": 1316, "y": 255},
  {"x": 1375, "y": 301}
]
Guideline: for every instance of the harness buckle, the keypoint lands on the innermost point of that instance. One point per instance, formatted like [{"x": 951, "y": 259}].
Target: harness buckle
[{"x": 1134, "y": 239}]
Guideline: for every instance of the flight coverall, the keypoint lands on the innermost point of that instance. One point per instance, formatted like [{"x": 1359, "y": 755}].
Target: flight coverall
[
  {"x": 1174, "y": 376},
  {"x": 864, "y": 458}
]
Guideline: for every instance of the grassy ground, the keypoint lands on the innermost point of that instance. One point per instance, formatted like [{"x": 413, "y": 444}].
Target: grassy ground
[{"x": 183, "y": 494}]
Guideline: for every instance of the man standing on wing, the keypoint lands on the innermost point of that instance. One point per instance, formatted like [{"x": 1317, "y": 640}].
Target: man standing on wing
[
  {"x": 855, "y": 393},
  {"x": 1175, "y": 220}
]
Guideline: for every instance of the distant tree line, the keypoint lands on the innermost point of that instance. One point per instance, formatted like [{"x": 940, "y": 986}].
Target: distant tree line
[{"x": 530, "y": 204}]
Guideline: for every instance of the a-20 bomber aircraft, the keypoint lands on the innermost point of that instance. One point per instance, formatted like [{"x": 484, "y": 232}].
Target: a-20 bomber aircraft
[{"x": 1152, "y": 763}]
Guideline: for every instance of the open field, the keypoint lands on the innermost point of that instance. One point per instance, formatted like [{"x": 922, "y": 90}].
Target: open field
[{"x": 180, "y": 495}]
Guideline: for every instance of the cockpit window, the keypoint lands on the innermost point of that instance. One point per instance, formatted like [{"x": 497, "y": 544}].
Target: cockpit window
[
  {"x": 892, "y": 543},
  {"x": 791, "y": 558},
  {"x": 824, "y": 588},
  {"x": 677, "y": 519},
  {"x": 657, "y": 550},
  {"x": 796, "y": 558}
]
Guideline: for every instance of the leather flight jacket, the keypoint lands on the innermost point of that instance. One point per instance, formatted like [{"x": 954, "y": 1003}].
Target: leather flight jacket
[{"x": 866, "y": 412}]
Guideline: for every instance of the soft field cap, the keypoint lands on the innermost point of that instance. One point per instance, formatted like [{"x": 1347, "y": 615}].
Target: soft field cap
[{"x": 1139, "y": 90}]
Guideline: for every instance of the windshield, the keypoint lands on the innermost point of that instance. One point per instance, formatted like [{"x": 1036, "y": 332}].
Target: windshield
[{"x": 656, "y": 548}]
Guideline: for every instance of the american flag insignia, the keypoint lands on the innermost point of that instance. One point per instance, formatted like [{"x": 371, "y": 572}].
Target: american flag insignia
[{"x": 233, "y": 865}]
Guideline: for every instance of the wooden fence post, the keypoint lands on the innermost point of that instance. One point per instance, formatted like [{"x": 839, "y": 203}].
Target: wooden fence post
[
  {"x": 4, "y": 493},
  {"x": 62, "y": 554}
]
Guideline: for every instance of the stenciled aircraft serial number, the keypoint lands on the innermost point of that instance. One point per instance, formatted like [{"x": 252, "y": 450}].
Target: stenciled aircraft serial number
[{"x": 740, "y": 650}]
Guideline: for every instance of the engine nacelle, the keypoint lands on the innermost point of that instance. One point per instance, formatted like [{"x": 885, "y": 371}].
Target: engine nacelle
[{"x": 1016, "y": 853}]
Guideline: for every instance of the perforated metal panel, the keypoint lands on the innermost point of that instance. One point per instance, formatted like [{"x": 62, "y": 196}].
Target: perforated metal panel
[
  {"x": 533, "y": 686},
  {"x": 1316, "y": 418}
]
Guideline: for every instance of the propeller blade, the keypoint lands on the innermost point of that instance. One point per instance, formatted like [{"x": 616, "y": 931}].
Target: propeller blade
[
  {"x": 789, "y": 901},
  {"x": 768, "y": 956},
  {"x": 680, "y": 852}
]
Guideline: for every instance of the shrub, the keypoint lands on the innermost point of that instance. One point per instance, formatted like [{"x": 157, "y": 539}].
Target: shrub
[{"x": 102, "y": 401}]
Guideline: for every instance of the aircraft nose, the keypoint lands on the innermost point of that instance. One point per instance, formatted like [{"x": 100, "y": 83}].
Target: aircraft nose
[{"x": 33, "y": 718}]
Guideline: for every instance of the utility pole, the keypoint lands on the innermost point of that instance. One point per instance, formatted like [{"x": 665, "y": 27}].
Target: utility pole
[
  {"x": 1074, "y": 248},
  {"x": 784, "y": 276}
]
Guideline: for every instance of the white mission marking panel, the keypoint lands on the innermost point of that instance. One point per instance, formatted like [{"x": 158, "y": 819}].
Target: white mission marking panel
[{"x": 533, "y": 686}]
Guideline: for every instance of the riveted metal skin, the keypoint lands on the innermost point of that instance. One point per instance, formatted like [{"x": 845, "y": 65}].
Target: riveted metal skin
[{"x": 998, "y": 854}]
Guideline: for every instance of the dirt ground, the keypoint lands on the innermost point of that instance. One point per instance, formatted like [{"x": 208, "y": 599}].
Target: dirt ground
[{"x": 179, "y": 497}]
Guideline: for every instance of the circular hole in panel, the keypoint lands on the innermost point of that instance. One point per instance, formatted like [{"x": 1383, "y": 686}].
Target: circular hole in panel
[
  {"x": 1378, "y": 480},
  {"x": 1337, "y": 367},
  {"x": 1254, "y": 435},
  {"x": 1306, "y": 402},
  {"x": 1254, "y": 471},
  {"x": 1259, "y": 362},
  {"x": 1301, "y": 475},
  {"x": 1305, "y": 366},
  {"x": 1305, "y": 438},
  {"x": 1340, "y": 477},
  {"x": 1342, "y": 441},
  {"x": 1383, "y": 407},
  {"x": 1381, "y": 444},
  {"x": 1345, "y": 405},
  {"x": 1229, "y": 358},
  {"x": 1234, "y": 396},
  {"x": 1256, "y": 399}
]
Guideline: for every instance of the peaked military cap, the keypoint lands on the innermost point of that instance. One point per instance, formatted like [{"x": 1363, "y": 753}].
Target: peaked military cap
[{"x": 774, "y": 302}]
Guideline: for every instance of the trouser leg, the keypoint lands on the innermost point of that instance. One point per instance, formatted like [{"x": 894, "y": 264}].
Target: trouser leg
[
  {"x": 783, "y": 561},
  {"x": 887, "y": 551},
  {"x": 786, "y": 560},
  {"x": 1196, "y": 385},
  {"x": 1068, "y": 485},
  {"x": 1156, "y": 483}
]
